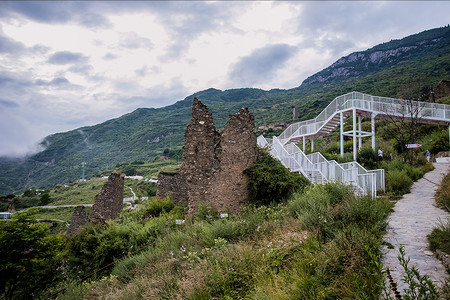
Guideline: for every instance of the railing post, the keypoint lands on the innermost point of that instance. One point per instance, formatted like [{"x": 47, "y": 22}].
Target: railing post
[
  {"x": 359, "y": 133},
  {"x": 354, "y": 133},
  {"x": 372, "y": 121},
  {"x": 341, "y": 128}
]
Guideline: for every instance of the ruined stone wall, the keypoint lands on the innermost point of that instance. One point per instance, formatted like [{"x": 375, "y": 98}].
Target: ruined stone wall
[
  {"x": 199, "y": 155},
  {"x": 174, "y": 184},
  {"x": 109, "y": 202},
  {"x": 213, "y": 162},
  {"x": 78, "y": 220},
  {"x": 238, "y": 152}
]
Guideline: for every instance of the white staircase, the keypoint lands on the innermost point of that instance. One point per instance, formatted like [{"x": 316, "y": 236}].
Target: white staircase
[{"x": 318, "y": 169}]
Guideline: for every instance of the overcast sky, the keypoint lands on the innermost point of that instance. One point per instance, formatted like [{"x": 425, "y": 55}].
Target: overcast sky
[{"x": 65, "y": 64}]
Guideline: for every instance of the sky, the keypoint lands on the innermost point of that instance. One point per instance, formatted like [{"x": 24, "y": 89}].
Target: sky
[{"x": 64, "y": 65}]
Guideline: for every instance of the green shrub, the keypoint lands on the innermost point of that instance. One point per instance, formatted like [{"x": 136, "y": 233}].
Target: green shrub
[
  {"x": 439, "y": 141},
  {"x": 155, "y": 207},
  {"x": 443, "y": 193},
  {"x": 398, "y": 182},
  {"x": 313, "y": 209},
  {"x": 365, "y": 212},
  {"x": 269, "y": 181},
  {"x": 96, "y": 246},
  {"x": 439, "y": 238},
  {"x": 368, "y": 158},
  {"x": 29, "y": 257}
]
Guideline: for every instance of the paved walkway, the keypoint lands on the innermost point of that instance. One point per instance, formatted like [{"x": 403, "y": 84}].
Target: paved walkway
[{"x": 414, "y": 217}]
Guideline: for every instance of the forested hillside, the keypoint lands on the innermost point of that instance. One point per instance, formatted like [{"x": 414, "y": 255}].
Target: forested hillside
[{"x": 407, "y": 68}]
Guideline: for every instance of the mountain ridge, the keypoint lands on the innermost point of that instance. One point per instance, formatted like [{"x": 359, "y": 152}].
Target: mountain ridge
[{"x": 381, "y": 56}]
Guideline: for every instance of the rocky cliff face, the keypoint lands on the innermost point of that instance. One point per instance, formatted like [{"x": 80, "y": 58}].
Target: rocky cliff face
[{"x": 377, "y": 58}]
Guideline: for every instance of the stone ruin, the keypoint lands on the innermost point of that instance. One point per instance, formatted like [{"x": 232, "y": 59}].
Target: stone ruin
[
  {"x": 107, "y": 206},
  {"x": 213, "y": 162},
  {"x": 78, "y": 220},
  {"x": 109, "y": 202}
]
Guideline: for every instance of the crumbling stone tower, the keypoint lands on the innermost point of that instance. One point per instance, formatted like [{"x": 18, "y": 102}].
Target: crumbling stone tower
[
  {"x": 109, "y": 202},
  {"x": 213, "y": 162}
]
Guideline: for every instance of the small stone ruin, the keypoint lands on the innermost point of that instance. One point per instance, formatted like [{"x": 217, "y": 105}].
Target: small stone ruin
[
  {"x": 109, "y": 202},
  {"x": 213, "y": 162},
  {"x": 107, "y": 206},
  {"x": 78, "y": 220}
]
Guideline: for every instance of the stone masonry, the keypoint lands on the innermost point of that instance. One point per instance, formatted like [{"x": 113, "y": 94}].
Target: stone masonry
[
  {"x": 238, "y": 151},
  {"x": 170, "y": 183},
  {"x": 107, "y": 206},
  {"x": 78, "y": 220},
  {"x": 109, "y": 202},
  {"x": 213, "y": 162}
]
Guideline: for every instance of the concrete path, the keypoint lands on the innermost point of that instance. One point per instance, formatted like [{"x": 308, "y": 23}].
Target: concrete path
[{"x": 414, "y": 217}]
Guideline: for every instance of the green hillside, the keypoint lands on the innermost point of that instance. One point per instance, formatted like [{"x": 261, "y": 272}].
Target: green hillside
[{"x": 413, "y": 66}]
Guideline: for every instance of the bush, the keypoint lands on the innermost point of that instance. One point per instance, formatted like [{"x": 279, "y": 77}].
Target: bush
[
  {"x": 443, "y": 193},
  {"x": 158, "y": 206},
  {"x": 314, "y": 207},
  {"x": 398, "y": 182},
  {"x": 29, "y": 257},
  {"x": 269, "y": 181},
  {"x": 439, "y": 238},
  {"x": 368, "y": 158}
]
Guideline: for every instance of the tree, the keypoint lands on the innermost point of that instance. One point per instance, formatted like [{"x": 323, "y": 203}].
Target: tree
[
  {"x": 404, "y": 119},
  {"x": 28, "y": 256}
]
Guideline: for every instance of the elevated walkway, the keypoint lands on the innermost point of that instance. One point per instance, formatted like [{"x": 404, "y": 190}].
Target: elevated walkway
[
  {"x": 356, "y": 105},
  {"x": 317, "y": 169}
]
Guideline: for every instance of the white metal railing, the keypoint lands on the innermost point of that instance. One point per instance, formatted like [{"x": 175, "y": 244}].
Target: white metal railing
[
  {"x": 369, "y": 180},
  {"x": 380, "y": 105},
  {"x": 317, "y": 169}
]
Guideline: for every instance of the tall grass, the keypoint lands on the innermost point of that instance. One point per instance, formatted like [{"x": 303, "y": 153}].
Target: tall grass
[
  {"x": 323, "y": 243},
  {"x": 443, "y": 193}
]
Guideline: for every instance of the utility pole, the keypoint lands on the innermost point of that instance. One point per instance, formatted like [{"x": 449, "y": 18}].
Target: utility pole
[{"x": 83, "y": 164}]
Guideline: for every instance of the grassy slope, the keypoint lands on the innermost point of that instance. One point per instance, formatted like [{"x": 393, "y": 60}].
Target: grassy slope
[{"x": 320, "y": 244}]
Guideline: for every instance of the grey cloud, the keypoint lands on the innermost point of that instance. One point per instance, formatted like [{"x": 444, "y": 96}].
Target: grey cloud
[
  {"x": 13, "y": 81},
  {"x": 131, "y": 40},
  {"x": 261, "y": 65},
  {"x": 55, "y": 12},
  {"x": 340, "y": 26},
  {"x": 8, "y": 103},
  {"x": 145, "y": 70},
  {"x": 109, "y": 56},
  {"x": 58, "y": 83},
  {"x": 8, "y": 45},
  {"x": 81, "y": 69},
  {"x": 142, "y": 71},
  {"x": 187, "y": 20},
  {"x": 157, "y": 96},
  {"x": 66, "y": 57}
]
